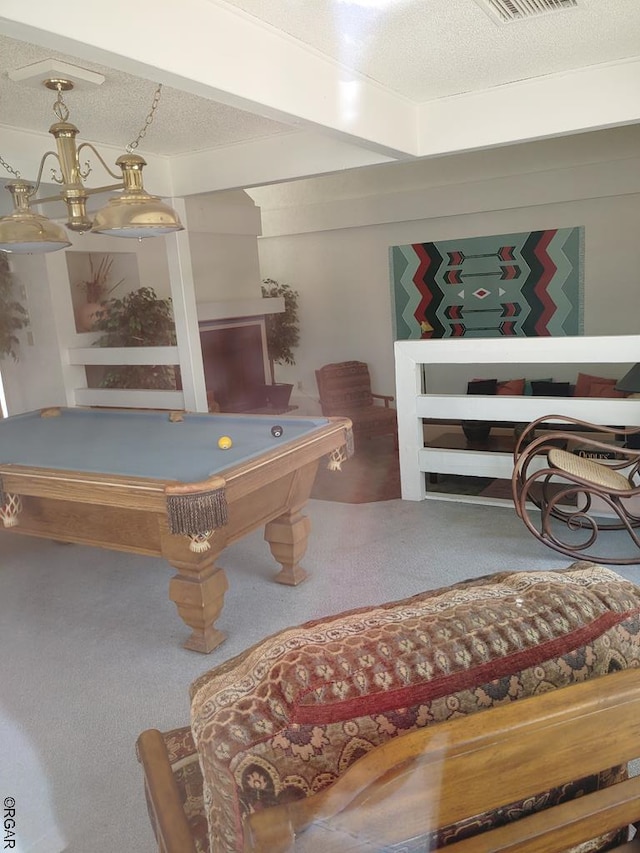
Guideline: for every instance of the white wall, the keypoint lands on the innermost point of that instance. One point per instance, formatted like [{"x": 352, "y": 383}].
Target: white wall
[
  {"x": 222, "y": 229},
  {"x": 329, "y": 237},
  {"x": 37, "y": 375}
]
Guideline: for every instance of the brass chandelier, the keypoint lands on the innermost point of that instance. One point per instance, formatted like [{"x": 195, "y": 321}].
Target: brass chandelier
[{"x": 134, "y": 213}]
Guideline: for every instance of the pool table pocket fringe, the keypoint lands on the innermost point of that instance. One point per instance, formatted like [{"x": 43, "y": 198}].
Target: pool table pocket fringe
[
  {"x": 350, "y": 445},
  {"x": 341, "y": 454},
  {"x": 10, "y": 507},
  {"x": 193, "y": 514}
]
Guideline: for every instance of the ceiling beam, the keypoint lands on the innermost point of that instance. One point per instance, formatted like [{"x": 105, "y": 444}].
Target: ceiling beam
[
  {"x": 338, "y": 119},
  {"x": 215, "y": 51},
  {"x": 592, "y": 98},
  {"x": 267, "y": 161}
]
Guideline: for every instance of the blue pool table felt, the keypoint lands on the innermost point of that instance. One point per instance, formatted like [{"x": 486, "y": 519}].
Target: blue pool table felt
[{"x": 143, "y": 443}]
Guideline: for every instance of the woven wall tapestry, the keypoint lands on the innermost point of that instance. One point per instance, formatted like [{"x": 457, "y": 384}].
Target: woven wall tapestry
[{"x": 524, "y": 285}]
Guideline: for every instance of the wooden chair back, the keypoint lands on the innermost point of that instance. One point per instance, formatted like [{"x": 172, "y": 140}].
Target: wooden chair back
[
  {"x": 345, "y": 390},
  {"x": 343, "y": 387},
  {"x": 442, "y": 774}
]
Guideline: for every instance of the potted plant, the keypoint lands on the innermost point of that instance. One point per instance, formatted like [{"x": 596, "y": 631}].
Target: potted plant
[
  {"x": 96, "y": 289},
  {"x": 13, "y": 316},
  {"x": 139, "y": 319},
  {"x": 283, "y": 336}
]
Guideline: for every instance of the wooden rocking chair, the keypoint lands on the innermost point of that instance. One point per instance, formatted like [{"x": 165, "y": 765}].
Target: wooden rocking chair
[{"x": 581, "y": 487}]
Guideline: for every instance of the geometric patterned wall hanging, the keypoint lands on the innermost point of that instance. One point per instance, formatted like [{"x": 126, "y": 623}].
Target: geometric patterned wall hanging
[{"x": 524, "y": 285}]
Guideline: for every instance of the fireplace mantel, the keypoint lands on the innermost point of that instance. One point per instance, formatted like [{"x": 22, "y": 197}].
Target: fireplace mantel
[{"x": 227, "y": 309}]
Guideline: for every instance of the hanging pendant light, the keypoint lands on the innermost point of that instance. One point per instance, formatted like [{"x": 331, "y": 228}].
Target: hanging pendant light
[
  {"x": 24, "y": 231},
  {"x": 135, "y": 213}
]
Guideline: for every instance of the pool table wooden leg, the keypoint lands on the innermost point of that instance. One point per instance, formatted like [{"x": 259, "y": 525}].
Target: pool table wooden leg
[
  {"x": 198, "y": 593},
  {"x": 287, "y": 536}
]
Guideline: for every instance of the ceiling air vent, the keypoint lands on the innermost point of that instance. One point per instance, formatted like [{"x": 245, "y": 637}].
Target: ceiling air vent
[{"x": 508, "y": 11}]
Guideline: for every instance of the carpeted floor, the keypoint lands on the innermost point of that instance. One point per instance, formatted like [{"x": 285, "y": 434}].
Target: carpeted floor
[
  {"x": 502, "y": 489},
  {"x": 372, "y": 474},
  {"x": 91, "y": 644},
  {"x": 498, "y": 489}
]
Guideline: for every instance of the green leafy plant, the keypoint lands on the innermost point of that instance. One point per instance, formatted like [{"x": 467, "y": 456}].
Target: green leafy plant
[
  {"x": 139, "y": 319},
  {"x": 13, "y": 316},
  {"x": 283, "y": 330}
]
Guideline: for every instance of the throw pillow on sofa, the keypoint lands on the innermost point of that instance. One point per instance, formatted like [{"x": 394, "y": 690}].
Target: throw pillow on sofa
[
  {"x": 586, "y": 380},
  {"x": 596, "y": 386},
  {"x": 542, "y": 388},
  {"x": 605, "y": 389},
  {"x": 511, "y": 387},
  {"x": 476, "y": 430},
  {"x": 528, "y": 389},
  {"x": 482, "y": 386}
]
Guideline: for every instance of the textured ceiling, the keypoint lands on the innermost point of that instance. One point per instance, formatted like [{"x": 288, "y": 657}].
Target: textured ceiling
[
  {"x": 116, "y": 111},
  {"x": 263, "y": 105},
  {"x": 433, "y": 49}
]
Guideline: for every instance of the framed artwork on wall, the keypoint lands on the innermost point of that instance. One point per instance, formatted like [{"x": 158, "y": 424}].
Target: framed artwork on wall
[{"x": 527, "y": 284}]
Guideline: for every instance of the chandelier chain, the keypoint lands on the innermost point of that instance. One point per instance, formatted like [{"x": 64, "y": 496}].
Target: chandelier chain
[
  {"x": 10, "y": 169},
  {"x": 134, "y": 214},
  {"x": 62, "y": 112},
  {"x": 147, "y": 122}
]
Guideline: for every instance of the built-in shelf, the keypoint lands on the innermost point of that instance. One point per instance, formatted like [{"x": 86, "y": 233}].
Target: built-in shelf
[
  {"x": 123, "y": 355},
  {"x": 133, "y": 398}
]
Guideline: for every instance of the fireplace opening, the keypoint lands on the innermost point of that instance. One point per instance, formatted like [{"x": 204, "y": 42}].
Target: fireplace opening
[{"x": 234, "y": 367}]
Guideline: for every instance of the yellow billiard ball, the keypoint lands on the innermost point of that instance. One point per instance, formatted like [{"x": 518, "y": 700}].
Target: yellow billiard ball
[{"x": 224, "y": 442}]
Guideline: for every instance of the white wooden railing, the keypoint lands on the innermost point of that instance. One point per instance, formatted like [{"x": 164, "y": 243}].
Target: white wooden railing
[{"x": 415, "y": 402}]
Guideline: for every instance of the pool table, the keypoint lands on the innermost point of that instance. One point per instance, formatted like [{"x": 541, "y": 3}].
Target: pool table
[{"x": 157, "y": 483}]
